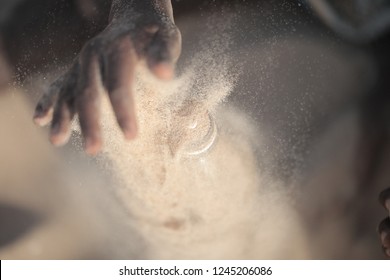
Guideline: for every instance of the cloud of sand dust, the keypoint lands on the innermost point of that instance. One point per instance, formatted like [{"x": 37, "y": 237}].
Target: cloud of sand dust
[{"x": 190, "y": 182}]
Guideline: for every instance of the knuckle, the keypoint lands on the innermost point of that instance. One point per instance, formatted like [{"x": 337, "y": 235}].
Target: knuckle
[{"x": 170, "y": 32}]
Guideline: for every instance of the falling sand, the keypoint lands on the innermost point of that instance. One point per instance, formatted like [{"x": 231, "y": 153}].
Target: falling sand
[
  {"x": 188, "y": 187},
  {"x": 189, "y": 182}
]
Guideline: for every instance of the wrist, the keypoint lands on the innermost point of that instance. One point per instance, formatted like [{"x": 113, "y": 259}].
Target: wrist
[{"x": 151, "y": 8}]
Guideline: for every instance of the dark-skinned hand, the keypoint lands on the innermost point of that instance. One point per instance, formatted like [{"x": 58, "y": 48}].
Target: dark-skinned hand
[{"x": 138, "y": 31}]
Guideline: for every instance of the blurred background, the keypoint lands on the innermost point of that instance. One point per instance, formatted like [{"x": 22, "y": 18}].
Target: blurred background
[{"x": 318, "y": 94}]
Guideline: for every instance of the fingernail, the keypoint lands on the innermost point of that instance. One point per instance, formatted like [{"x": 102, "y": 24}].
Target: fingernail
[
  {"x": 56, "y": 140},
  {"x": 43, "y": 118},
  {"x": 164, "y": 71},
  {"x": 151, "y": 28},
  {"x": 60, "y": 138},
  {"x": 37, "y": 120}
]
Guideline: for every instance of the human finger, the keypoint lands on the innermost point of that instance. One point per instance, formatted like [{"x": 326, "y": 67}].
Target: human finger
[{"x": 119, "y": 78}]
